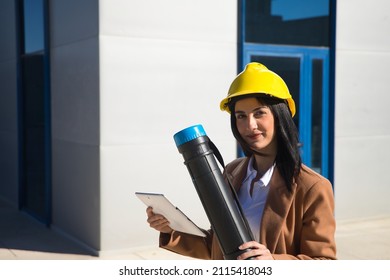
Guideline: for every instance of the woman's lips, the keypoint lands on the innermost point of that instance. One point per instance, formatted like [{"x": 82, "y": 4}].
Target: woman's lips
[{"x": 254, "y": 136}]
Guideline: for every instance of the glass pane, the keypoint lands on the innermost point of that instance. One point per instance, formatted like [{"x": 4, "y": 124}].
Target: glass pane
[
  {"x": 33, "y": 26},
  {"x": 289, "y": 69},
  {"x": 288, "y": 22},
  {"x": 316, "y": 144},
  {"x": 33, "y": 133}
]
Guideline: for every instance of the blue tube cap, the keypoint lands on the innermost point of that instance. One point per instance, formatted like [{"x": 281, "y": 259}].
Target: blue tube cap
[{"x": 188, "y": 134}]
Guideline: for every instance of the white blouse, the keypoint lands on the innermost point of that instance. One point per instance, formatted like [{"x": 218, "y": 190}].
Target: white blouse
[{"x": 253, "y": 205}]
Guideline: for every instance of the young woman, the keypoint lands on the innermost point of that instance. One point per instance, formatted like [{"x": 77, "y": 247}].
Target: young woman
[{"x": 289, "y": 207}]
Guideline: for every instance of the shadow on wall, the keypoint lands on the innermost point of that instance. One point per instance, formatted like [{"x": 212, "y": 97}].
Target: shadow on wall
[{"x": 19, "y": 232}]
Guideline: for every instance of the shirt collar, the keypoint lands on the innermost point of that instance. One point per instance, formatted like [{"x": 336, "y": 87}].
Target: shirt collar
[{"x": 251, "y": 173}]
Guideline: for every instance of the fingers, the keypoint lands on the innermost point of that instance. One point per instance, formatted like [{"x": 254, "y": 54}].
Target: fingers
[
  {"x": 157, "y": 221},
  {"x": 255, "y": 251},
  {"x": 149, "y": 211},
  {"x": 154, "y": 218}
]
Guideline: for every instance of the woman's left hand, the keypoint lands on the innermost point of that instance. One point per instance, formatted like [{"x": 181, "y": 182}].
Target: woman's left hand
[{"x": 257, "y": 251}]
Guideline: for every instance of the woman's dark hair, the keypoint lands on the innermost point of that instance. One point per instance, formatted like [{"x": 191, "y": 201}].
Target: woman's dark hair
[{"x": 288, "y": 157}]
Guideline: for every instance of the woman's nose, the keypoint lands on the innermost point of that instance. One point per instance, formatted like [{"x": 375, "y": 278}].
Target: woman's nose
[{"x": 252, "y": 124}]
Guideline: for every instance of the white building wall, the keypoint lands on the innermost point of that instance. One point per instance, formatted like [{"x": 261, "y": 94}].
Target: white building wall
[
  {"x": 362, "y": 129},
  {"x": 164, "y": 66}
]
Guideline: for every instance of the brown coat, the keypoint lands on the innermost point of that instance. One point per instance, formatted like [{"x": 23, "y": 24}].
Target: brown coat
[{"x": 296, "y": 225}]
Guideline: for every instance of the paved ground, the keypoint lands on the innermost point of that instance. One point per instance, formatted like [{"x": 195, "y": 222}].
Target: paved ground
[{"x": 23, "y": 238}]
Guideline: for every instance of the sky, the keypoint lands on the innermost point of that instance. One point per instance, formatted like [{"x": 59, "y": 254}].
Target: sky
[
  {"x": 33, "y": 25},
  {"x": 299, "y": 9}
]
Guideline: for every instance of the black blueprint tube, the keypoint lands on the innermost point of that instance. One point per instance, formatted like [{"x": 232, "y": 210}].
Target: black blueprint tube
[{"x": 216, "y": 196}]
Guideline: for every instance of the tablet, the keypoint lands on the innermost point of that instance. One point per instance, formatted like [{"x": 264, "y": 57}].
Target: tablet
[{"x": 177, "y": 219}]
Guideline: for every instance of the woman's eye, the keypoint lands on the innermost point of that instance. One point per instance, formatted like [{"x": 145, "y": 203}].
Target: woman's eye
[
  {"x": 240, "y": 117},
  {"x": 259, "y": 113}
]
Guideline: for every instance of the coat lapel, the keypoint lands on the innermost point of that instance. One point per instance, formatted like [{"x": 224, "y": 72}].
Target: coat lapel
[{"x": 236, "y": 172}]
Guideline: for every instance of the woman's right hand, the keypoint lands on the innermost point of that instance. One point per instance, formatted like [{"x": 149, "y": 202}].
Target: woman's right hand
[{"x": 157, "y": 221}]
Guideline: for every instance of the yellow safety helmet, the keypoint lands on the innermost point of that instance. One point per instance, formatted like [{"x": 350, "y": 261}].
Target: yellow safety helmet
[{"x": 256, "y": 78}]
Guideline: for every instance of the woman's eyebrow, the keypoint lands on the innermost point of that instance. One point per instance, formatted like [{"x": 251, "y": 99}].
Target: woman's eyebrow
[
  {"x": 260, "y": 107},
  {"x": 255, "y": 109}
]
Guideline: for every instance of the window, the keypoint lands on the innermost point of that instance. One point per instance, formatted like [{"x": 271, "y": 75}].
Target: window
[
  {"x": 287, "y": 22},
  {"x": 294, "y": 38},
  {"x": 34, "y": 109}
]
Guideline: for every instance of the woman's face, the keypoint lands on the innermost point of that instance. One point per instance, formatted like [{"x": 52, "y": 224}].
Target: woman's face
[{"x": 255, "y": 123}]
